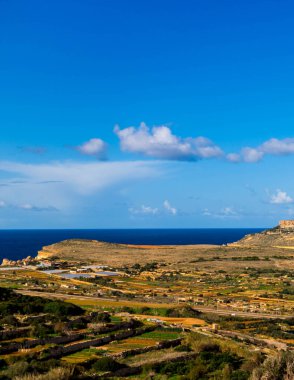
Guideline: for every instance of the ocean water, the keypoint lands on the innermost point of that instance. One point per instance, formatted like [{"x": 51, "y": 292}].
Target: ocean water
[{"x": 17, "y": 244}]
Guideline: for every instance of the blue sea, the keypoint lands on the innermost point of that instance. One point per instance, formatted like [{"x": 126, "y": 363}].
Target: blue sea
[{"x": 18, "y": 244}]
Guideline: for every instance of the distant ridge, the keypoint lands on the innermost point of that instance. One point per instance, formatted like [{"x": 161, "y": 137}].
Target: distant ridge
[{"x": 281, "y": 236}]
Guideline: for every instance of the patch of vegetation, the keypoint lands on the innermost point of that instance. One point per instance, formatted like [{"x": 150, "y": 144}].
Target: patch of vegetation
[
  {"x": 106, "y": 364},
  {"x": 13, "y": 303}
]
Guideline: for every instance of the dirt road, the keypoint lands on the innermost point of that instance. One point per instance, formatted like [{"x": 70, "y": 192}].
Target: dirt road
[{"x": 204, "y": 309}]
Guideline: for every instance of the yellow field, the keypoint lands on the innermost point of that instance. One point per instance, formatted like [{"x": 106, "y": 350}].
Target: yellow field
[
  {"x": 110, "y": 303},
  {"x": 185, "y": 322}
]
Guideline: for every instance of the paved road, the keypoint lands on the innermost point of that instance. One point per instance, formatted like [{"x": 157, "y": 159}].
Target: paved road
[{"x": 198, "y": 307}]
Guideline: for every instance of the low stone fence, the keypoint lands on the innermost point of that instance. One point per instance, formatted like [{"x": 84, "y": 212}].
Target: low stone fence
[
  {"x": 15, "y": 346},
  {"x": 7, "y": 348},
  {"x": 112, "y": 327},
  {"x": 128, "y": 371},
  {"x": 143, "y": 350},
  {"x": 56, "y": 352},
  {"x": 256, "y": 341},
  {"x": 12, "y": 334}
]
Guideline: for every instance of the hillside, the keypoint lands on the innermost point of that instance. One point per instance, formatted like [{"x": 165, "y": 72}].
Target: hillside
[
  {"x": 277, "y": 237},
  {"x": 93, "y": 251}
]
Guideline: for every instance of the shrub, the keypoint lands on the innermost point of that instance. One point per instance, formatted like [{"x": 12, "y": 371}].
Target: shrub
[
  {"x": 19, "y": 368},
  {"x": 102, "y": 317},
  {"x": 59, "y": 373},
  {"x": 278, "y": 367},
  {"x": 2, "y": 364},
  {"x": 106, "y": 364},
  {"x": 62, "y": 308}
]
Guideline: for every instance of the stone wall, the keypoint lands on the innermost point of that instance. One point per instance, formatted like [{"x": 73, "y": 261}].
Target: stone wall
[
  {"x": 27, "y": 344},
  {"x": 12, "y": 334},
  {"x": 158, "y": 346},
  {"x": 58, "y": 351}
]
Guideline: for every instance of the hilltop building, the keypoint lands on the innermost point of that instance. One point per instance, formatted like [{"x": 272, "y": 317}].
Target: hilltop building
[{"x": 286, "y": 224}]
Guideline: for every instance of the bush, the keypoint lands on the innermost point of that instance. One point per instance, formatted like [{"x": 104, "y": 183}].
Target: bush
[
  {"x": 278, "y": 367},
  {"x": 19, "y": 368},
  {"x": 106, "y": 364},
  {"x": 9, "y": 320},
  {"x": 40, "y": 331},
  {"x": 102, "y": 317},
  {"x": 44, "y": 366},
  {"x": 5, "y": 294},
  {"x": 59, "y": 373},
  {"x": 183, "y": 312},
  {"x": 60, "y": 308}
]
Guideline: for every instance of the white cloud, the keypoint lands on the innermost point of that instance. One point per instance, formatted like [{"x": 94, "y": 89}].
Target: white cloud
[
  {"x": 26, "y": 206},
  {"x": 274, "y": 147},
  {"x": 94, "y": 147},
  {"x": 66, "y": 184},
  {"x": 251, "y": 155},
  {"x": 30, "y": 207},
  {"x": 226, "y": 212},
  {"x": 206, "y": 212},
  {"x": 278, "y": 147},
  {"x": 234, "y": 157},
  {"x": 148, "y": 210},
  {"x": 2, "y": 204},
  {"x": 247, "y": 154},
  {"x": 167, "y": 206},
  {"x": 82, "y": 177},
  {"x": 281, "y": 197},
  {"x": 144, "y": 210},
  {"x": 159, "y": 142}
]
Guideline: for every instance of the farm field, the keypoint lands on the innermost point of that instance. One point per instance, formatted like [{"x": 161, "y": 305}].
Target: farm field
[{"x": 171, "y": 311}]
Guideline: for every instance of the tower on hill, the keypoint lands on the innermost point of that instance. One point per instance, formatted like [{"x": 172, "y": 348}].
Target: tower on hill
[{"x": 286, "y": 224}]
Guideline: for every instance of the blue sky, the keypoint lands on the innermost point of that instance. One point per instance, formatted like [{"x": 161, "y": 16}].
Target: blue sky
[{"x": 118, "y": 114}]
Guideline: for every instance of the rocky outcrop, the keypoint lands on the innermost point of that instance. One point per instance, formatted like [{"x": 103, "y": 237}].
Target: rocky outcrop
[{"x": 11, "y": 263}]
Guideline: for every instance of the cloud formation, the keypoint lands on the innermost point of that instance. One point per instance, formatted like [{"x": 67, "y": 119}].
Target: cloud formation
[
  {"x": 274, "y": 147},
  {"x": 30, "y": 207},
  {"x": 144, "y": 210},
  {"x": 169, "y": 208},
  {"x": 26, "y": 207},
  {"x": 152, "y": 211},
  {"x": 66, "y": 184},
  {"x": 281, "y": 197},
  {"x": 160, "y": 142},
  {"x": 226, "y": 212},
  {"x": 94, "y": 147}
]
